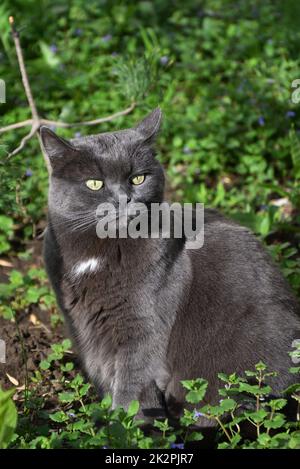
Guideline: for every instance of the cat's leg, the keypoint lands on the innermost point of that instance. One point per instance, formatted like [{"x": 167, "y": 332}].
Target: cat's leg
[
  {"x": 135, "y": 378},
  {"x": 152, "y": 402}
]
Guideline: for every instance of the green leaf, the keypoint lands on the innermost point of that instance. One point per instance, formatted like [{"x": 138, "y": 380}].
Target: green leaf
[
  {"x": 264, "y": 439},
  {"x": 228, "y": 404},
  {"x": 277, "y": 422},
  {"x": 84, "y": 389},
  {"x": 133, "y": 408},
  {"x": 66, "y": 344},
  {"x": 8, "y": 417},
  {"x": 260, "y": 366},
  {"x": 163, "y": 426},
  {"x": 194, "y": 436},
  {"x": 67, "y": 367},
  {"x": 257, "y": 416},
  {"x": 67, "y": 396},
  {"x": 264, "y": 226},
  {"x": 6, "y": 224},
  {"x": 33, "y": 295},
  {"x": 254, "y": 389},
  {"x": 197, "y": 390},
  {"x": 59, "y": 417},
  {"x": 294, "y": 442},
  {"x": 50, "y": 58},
  {"x": 106, "y": 402},
  {"x": 277, "y": 404},
  {"x": 292, "y": 389},
  {"x": 45, "y": 365},
  {"x": 294, "y": 369},
  {"x": 223, "y": 377},
  {"x": 16, "y": 278}
]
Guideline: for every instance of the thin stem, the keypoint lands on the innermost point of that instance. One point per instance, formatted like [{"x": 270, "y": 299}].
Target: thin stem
[
  {"x": 260, "y": 379},
  {"x": 24, "y": 140},
  {"x": 17, "y": 125},
  {"x": 84, "y": 410},
  {"x": 91, "y": 122},
  {"x": 223, "y": 428},
  {"x": 23, "y": 71}
]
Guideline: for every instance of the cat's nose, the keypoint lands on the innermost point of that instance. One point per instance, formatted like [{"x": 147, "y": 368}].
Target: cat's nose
[{"x": 120, "y": 197}]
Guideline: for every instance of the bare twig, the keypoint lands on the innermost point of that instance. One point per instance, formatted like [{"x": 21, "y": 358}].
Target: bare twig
[
  {"x": 36, "y": 122},
  {"x": 92, "y": 122},
  {"x": 25, "y": 139},
  {"x": 23, "y": 71},
  {"x": 18, "y": 125}
]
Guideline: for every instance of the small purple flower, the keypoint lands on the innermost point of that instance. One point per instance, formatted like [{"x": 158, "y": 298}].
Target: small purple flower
[
  {"x": 78, "y": 32},
  {"x": 106, "y": 38},
  {"x": 187, "y": 150},
  {"x": 198, "y": 414},
  {"x": 28, "y": 172},
  {"x": 177, "y": 445},
  {"x": 53, "y": 48},
  {"x": 77, "y": 134},
  {"x": 71, "y": 414},
  {"x": 290, "y": 114},
  {"x": 164, "y": 60},
  {"x": 261, "y": 121}
]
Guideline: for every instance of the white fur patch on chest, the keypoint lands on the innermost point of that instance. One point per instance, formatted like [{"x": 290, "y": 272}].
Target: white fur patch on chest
[{"x": 86, "y": 267}]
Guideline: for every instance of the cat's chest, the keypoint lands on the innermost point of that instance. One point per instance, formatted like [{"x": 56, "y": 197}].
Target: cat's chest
[
  {"x": 105, "y": 300},
  {"x": 107, "y": 309},
  {"x": 93, "y": 285}
]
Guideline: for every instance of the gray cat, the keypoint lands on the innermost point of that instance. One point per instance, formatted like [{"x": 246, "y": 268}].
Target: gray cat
[{"x": 145, "y": 314}]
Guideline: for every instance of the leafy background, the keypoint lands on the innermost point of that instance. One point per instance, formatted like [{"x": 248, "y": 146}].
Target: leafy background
[{"x": 221, "y": 70}]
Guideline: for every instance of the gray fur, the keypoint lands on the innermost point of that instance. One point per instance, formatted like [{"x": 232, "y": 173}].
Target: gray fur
[{"x": 154, "y": 313}]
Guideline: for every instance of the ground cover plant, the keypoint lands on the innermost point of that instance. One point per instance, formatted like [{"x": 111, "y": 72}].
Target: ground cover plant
[{"x": 223, "y": 73}]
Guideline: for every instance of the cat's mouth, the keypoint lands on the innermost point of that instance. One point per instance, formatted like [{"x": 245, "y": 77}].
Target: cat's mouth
[{"x": 121, "y": 216}]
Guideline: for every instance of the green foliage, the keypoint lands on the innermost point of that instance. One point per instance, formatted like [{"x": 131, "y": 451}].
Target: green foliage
[
  {"x": 6, "y": 233},
  {"x": 222, "y": 73},
  {"x": 24, "y": 290},
  {"x": 8, "y": 417},
  {"x": 83, "y": 422}
]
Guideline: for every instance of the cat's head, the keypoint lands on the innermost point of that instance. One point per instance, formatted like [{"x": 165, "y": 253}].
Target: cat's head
[{"x": 103, "y": 168}]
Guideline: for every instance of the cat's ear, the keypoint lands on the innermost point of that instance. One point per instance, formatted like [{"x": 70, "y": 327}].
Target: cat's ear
[
  {"x": 150, "y": 125},
  {"x": 57, "y": 148}
]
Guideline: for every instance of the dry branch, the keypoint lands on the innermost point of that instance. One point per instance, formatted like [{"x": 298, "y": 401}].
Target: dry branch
[{"x": 36, "y": 121}]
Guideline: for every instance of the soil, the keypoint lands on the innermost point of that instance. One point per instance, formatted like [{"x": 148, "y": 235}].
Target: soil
[{"x": 28, "y": 339}]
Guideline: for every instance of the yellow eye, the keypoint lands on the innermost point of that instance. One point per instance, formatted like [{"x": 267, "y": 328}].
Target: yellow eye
[
  {"x": 137, "y": 180},
  {"x": 94, "y": 184}
]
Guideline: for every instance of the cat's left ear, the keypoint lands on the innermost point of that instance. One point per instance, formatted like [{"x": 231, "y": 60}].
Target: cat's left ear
[
  {"x": 150, "y": 125},
  {"x": 57, "y": 148}
]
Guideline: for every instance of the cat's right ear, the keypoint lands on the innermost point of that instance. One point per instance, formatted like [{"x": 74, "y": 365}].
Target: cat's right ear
[
  {"x": 57, "y": 148},
  {"x": 149, "y": 127}
]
